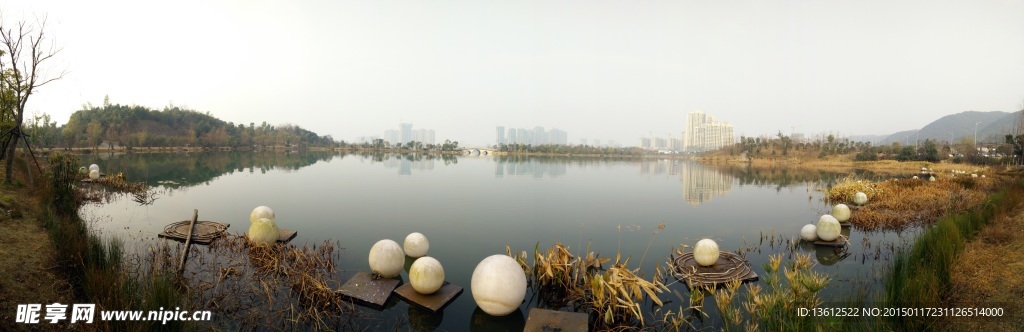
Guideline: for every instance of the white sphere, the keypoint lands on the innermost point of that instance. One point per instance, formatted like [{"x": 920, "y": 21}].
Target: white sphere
[
  {"x": 932, "y": 178},
  {"x": 416, "y": 245},
  {"x": 263, "y": 232},
  {"x": 860, "y": 198},
  {"x": 426, "y": 275},
  {"x": 983, "y": 175},
  {"x": 386, "y": 258},
  {"x": 841, "y": 212},
  {"x": 706, "y": 252},
  {"x": 915, "y": 177},
  {"x": 261, "y": 212},
  {"x": 809, "y": 232},
  {"x": 83, "y": 170},
  {"x": 498, "y": 285},
  {"x": 828, "y": 228},
  {"x": 94, "y": 167},
  {"x": 974, "y": 175},
  {"x": 94, "y": 175}
]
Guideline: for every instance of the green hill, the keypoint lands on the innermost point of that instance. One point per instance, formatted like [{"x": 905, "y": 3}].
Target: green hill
[{"x": 139, "y": 126}]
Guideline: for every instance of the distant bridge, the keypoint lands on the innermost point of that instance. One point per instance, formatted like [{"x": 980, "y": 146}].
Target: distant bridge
[{"x": 477, "y": 151}]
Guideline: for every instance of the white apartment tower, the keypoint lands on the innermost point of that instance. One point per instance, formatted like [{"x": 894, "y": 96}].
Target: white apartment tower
[{"x": 704, "y": 134}]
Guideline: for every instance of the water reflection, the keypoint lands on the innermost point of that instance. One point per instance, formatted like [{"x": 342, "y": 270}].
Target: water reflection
[
  {"x": 537, "y": 167},
  {"x": 481, "y": 321}
]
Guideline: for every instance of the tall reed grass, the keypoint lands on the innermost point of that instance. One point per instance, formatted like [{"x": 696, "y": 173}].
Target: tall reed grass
[
  {"x": 920, "y": 275},
  {"x": 96, "y": 267}
]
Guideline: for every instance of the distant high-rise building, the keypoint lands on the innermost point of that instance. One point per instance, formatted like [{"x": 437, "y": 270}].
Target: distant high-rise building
[
  {"x": 391, "y": 136},
  {"x": 583, "y": 141},
  {"x": 499, "y": 135},
  {"x": 406, "y": 132},
  {"x": 513, "y": 137},
  {"x": 703, "y": 133}
]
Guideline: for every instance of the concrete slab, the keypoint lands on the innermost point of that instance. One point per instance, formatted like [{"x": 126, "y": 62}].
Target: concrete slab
[
  {"x": 362, "y": 288},
  {"x": 433, "y": 302}
]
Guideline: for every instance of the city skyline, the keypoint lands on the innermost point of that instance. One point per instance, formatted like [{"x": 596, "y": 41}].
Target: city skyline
[{"x": 608, "y": 71}]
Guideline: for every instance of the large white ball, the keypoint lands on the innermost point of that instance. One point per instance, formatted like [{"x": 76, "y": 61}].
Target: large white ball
[
  {"x": 263, "y": 232},
  {"x": 262, "y": 212},
  {"x": 809, "y": 232},
  {"x": 841, "y": 212},
  {"x": 94, "y": 175},
  {"x": 706, "y": 252},
  {"x": 498, "y": 285},
  {"x": 94, "y": 167},
  {"x": 386, "y": 258},
  {"x": 416, "y": 245},
  {"x": 828, "y": 228},
  {"x": 426, "y": 275},
  {"x": 860, "y": 198}
]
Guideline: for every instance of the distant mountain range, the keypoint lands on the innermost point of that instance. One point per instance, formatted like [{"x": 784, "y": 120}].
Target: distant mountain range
[{"x": 992, "y": 128}]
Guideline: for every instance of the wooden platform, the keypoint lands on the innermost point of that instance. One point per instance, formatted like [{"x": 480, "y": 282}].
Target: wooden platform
[
  {"x": 205, "y": 231},
  {"x": 846, "y": 224},
  {"x": 549, "y": 320},
  {"x": 362, "y": 288},
  {"x": 433, "y": 302},
  {"x": 729, "y": 267}
]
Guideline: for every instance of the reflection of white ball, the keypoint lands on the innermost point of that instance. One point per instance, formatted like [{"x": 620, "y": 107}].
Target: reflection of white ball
[
  {"x": 94, "y": 175},
  {"x": 498, "y": 285},
  {"x": 828, "y": 228},
  {"x": 841, "y": 212},
  {"x": 860, "y": 198},
  {"x": 261, "y": 212},
  {"x": 809, "y": 232},
  {"x": 416, "y": 245},
  {"x": 426, "y": 275},
  {"x": 386, "y": 258},
  {"x": 263, "y": 232},
  {"x": 94, "y": 167},
  {"x": 706, "y": 252}
]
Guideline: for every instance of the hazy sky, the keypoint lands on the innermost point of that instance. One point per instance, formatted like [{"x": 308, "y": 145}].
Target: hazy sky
[{"x": 596, "y": 69}]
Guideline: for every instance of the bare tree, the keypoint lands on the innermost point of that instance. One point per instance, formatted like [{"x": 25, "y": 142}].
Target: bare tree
[{"x": 23, "y": 51}]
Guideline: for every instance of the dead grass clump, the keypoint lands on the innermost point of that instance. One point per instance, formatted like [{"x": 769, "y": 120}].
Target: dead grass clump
[
  {"x": 899, "y": 203},
  {"x": 615, "y": 295},
  {"x": 280, "y": 287},
  {"x": 844, "y": 190}
]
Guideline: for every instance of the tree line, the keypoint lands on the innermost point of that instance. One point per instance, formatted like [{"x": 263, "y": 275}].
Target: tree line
[{"x": 139, "y": 126}]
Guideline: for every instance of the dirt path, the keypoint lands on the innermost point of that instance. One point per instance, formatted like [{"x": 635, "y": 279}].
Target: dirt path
[
  {"x": 990, "y": 273},
  {"x": 26, "y": 260}
]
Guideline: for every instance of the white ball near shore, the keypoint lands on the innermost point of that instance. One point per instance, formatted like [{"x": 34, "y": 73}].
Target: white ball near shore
[
  {"x": 860, "y": 198},
  {"x": 498, "y": 285},
  {"x": 828, "y": 228},
  {"x": 809, "y": 232},
  {"x": 416, "y": 245},
  {"x": 386, "y": 258},
  {"x": 94, "y": 167},
  {"x": 261, "y": 212},
  {"x": 94, "y": 174},
  {"x": 426, "y": 275},
  {"x": 706, "y": 252},
  {"x": 263, "y": 232},
  {"x": 841, "y": 212}
]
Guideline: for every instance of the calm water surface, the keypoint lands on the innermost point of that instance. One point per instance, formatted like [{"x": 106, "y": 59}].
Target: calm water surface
[{"x": 472, "y": 207}]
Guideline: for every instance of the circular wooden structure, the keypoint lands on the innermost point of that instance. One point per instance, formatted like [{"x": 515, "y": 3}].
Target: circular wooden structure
[
  {"x": 203, "y": 233},
  {"x": 729, "y": 267}
]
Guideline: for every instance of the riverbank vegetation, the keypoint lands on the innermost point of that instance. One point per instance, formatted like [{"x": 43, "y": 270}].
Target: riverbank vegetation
[{"x": 896, "y": 204}]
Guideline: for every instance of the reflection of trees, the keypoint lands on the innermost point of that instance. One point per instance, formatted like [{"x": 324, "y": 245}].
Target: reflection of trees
[
  {"x": 782, "y": 177},
  {"x": 177, "y": 170},
  {"x": 537, "y": 166}
]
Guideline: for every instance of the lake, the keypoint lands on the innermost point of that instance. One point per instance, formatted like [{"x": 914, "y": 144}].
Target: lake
[{"x": 471, "y": 207}]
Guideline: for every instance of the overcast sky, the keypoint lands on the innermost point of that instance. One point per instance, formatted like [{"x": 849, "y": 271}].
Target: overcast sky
[{"x": 610, "y": 70}]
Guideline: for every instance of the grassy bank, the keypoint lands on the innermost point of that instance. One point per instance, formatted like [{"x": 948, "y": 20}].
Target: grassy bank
[
  {"x": 96, "y": 268},
  {"x": 921, "y": 275}
]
